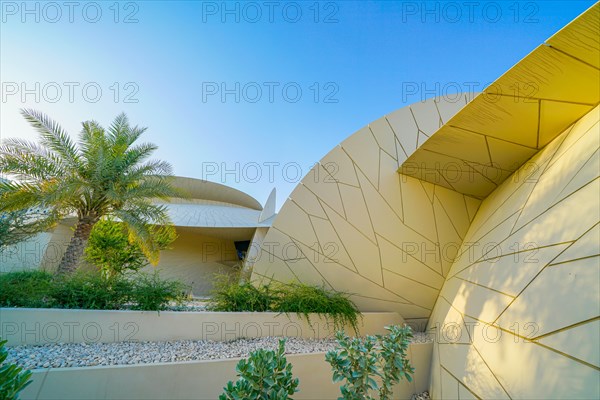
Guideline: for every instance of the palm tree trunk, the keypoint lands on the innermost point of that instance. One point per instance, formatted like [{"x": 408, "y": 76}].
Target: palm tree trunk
[{"x": 78, "y": 243}]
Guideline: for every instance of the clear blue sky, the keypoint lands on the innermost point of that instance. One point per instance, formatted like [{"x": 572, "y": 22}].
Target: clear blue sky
[{"x": 365, "y": 58}]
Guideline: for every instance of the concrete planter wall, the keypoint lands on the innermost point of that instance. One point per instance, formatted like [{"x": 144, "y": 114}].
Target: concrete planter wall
[
  {"x": 31, "y": 326},
  {"x": 197, "y": 380}
]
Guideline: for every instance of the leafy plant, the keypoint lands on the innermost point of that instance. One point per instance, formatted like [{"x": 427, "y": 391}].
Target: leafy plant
[
  {"x": 112, "y": 249},
  {"x": 265, "y": 375},
  {"x": 12, "y": 377},
  {"x": 25, "y": 288},
  {"x": 150, "y": 292},
  {"x": 104, "y": 173},
  {"x": 231, "y": 295},
  {"x": 89, "y": 290},
  {"x": 303, "y": 299},
  {"x": 362, "y": 362}
]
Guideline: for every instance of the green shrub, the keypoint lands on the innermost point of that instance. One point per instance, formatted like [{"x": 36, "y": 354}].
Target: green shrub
[
  {"x": 301, "y": 299},
  {"x": 304, "y": 299},
  {"x": 361, "y": 362},
  {"x": 229, "y": 295},
  {"x": 112, "y": 249},
  {"x": 150, "y": 292},
  {"x": 12, "y": 377},
  {"x": 25, "y": 289},
  {"x": 89, "y": 290},
  {"x": 265, "y": 375}
]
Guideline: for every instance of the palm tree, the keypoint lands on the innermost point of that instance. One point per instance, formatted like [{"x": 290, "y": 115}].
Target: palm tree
[{"x": 103, "y": 174}]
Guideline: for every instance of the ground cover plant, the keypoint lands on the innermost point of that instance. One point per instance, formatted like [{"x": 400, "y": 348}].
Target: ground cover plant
[{"x": 231, "y": 295}]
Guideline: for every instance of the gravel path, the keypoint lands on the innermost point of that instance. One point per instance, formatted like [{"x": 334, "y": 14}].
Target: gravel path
[{"x": 127, "y": 353}]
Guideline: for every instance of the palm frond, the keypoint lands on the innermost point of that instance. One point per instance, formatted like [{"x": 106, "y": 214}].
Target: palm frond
[{"x": 53, "y": 136}]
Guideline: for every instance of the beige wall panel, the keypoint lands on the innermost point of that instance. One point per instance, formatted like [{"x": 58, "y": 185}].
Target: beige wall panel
[
  {"x": 476, "y": 301},
  {"x": 364, "y": 152},
  {"x": 580, "y": 341},
  {"x": 295, "y": 221},
  {"x": 449, "y": 386},
  {"x": 562, "y": 295},
  {"x": 513, "y": 120},
  {"x": 579, "y": 130},
  {"x": 456, "y": 208},
  {"x": 467, "y": 365},
  {"x": 406, "y": 129},
  {"x": 553, "y": 284},
  {"x": 423, "y": 295},
  {"x": 340, "y": 168},
  {"x": 464, "y": 394},
  {"x": 427, "y": 116},
  {"x": 586, "y": 246},
  {"x": 556, "y": 117},
  {"x": 510, "y": 273},
  {"x": 453, "y": 104},
  {"x": 418, "y": 209},
  {"x": 461, "y": 144},
  {"x": 580, "y": 36},
  {"x": 529, "y": 371},
  {"x": 508, "y": 155},
  {"x": 472, "y": 206},
  {"x": 364, "y": 253},
  {"x": 357, "y": 214},
  {"x": 331, "y": 245},
  {"x": 395, "y": 260},
  {"x": 389, "y": 184},
  {"x": 384, "y": 136},
  {"x": 307, "y": 201},
  {"x": 323, "y": 187},
  {"x": 195, "y": 259}
]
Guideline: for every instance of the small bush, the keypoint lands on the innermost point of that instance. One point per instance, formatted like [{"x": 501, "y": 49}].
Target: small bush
[
  {"x": 89, "y": 290},
  {"x": 25, "y": 289},
  {"x": 150, "y": 292},
  {"x": 265, "y": 375},
  {"x": 360, "y": 362},
  {"x": 12, "y": 377},
  {"x": 230, "y": 295},
  {"x": 304, "y": 299},
  {"x": 113, "y": 250}
]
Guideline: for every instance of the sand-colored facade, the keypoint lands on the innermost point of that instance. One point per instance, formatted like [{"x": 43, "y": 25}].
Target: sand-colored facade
[{"x": 476, "y": 218}]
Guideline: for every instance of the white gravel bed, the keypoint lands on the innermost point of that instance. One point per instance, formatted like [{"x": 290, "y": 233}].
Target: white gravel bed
[
  {"x": 420, "y": 396},
  {"x": 129, "y": 353}
]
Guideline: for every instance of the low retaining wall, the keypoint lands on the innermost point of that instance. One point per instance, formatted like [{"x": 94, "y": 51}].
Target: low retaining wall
[
  {"x": 34, "y": 326},
  {"x": 198, "y": 380}
]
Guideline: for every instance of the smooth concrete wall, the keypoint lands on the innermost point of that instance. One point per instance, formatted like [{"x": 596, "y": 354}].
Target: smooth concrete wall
[
  {"x": 198, "y": 380},
  {"x": 45, "y": 250},
  {"x": 195, "y": 258},
  {"x": 22, "y": 326},
  {"x": 519, "y": 314},
  {"x": 355, "y": 225}
]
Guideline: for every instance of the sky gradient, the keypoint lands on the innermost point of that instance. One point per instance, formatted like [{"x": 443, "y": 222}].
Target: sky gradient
[{"x": 252, "y": 94}]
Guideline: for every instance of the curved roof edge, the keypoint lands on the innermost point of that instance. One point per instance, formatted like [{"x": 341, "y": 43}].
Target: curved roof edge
[
  {"x": 206, "y": 190},
  {"x": 517, "y": 115}
]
